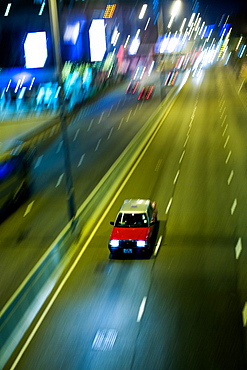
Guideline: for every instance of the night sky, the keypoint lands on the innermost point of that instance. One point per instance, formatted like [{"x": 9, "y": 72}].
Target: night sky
[{"x": 214, "y": 9}]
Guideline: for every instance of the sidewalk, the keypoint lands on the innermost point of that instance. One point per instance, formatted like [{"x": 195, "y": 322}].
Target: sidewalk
[{"x": 14, "y": 125}]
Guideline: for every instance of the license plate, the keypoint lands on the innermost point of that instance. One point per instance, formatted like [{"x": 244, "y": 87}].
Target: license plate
[{"x": 127, "y": 250}]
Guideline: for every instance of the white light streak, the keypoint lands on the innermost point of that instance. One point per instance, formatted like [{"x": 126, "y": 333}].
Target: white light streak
[
  {"x": 126, "y": 42},
  {"x": 147, "y": 24},
  {"x": 239, "y": 42},
  {"x": 7, "y": 10},
  {"x": 42, "y": 8},
  {"x": 143, "y": 11},
  {"x": 31, "y": 84},
  {"x": 191, "y": 19},
  {"x": 182, "y": 25}
]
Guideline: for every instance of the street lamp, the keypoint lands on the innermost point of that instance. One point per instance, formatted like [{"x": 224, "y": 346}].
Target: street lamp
[
  {"x": 58, "y": 63},
  {"x": 174, "y": 11}
]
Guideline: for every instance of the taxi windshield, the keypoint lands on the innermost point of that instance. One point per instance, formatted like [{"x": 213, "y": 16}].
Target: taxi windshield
[{"x": 131, "y": 220}]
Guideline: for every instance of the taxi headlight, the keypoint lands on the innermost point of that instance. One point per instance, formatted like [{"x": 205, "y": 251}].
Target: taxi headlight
[
  {"x": 140, "y": 243},
  {"x": 114, "y": 243}
]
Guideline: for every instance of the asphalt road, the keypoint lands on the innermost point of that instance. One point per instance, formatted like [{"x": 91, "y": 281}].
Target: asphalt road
[
  {"x": 97, "y": 136},
  {"x": 181, "y": 309}
]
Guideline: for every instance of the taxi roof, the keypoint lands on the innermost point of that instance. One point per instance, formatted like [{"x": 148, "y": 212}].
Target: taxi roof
[{"x": 135, "y": 205}]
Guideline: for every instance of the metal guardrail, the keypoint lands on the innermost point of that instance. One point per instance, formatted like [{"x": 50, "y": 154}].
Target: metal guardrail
[{"x": 19, "y": 312}]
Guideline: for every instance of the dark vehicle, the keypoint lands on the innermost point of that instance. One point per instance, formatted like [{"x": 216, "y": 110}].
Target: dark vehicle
[
  {"x": 15, "y": 179},
  {"x": 134, "y": 228},
  {"x": 146, "y": 93},
  {"x": 132, "y": 87},
  {"x": 171, "y": 78}
]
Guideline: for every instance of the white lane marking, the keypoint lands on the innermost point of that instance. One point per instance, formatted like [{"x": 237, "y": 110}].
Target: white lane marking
[
  {"x": 230, "y": 178},
  {"x": 135, "y": 110},
  {"x": 118, "y": 105},
  {"x": 238, "y": 248},
  {"x": 244, "y": 314},
  {"x": 169, "y": 205},
  {"x": 157, "y": 167},
  {"x": 193, "y": 113},
  {"x": 225, "y": 130},
  {"x": 100, "y": 119},
  {"x": 59, "y": 147},
  {"x": 104, "y": 339},
  {"x": 141, "y": 309},
  {"x": 221, "y": 105},
  {"x": 120, "y": 124},
  {"x": 176, "y": 177},
  {"x": 39, "y": 161},
  {"x": 186, "y": 141},
  {"x": 90, "y": 124},
  {"x": 182, "y": 156},
  {"x": 189, "y": 129},
  {"x": 77, "y": 132},
  {"x": 223, "y": 111},
  {"x": 108, "y": 137},
  {"x": 158, "y": 246},
  {"x": 234, "y": 205},
  {"x": 29, "y": 207},
  {"x": 222, "y": 123},
  {"x": 110, "y": 111},
  {"x": 59, "y": 180},
  {"x": 127, "y": 119},
  {"x": 241, "y": 86},
  {"x": 97, "y": 146},
  {"x": 80, "y": 161},
  {"x": 228, "y": 137},
  {"x": 228, "y": 157}
]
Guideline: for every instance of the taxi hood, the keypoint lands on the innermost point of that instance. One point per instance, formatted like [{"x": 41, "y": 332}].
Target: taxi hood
[{"x": 125, "y": 233}]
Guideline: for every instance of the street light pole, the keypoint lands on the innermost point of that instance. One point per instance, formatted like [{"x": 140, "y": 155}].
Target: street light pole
[{"x": 58, "y": 63}]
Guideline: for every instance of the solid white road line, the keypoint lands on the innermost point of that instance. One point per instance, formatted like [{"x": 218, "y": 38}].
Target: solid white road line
[
  {"x": 230, "y": 178},
  {"x": 169, "y": 205},
  {"x": 141, "y": 309},
  {"x": 81, "y": 159},
  {"x": 59, "y": 180},
  {"x": 59, "y": 147},
  {"x": 120, "y": 124},
  {"x": 238, "y": 248},
  {"x": 101, "y": 116},
  {"x": 97, "y": 147},
  {"x": 228, "y": 157},
  {"x": 181, "y": 158},
  {"x": 244, "y": 314},
  {"x": 127, "y": 119},
  {"x": 228, "y": 137},
  {"x": 110, "y": 133},
  {"x": 157, "y": 246},
  {"x": 176, "y": 177},
  {"x": 234, "y": 205},
  {"x": 77, "y": 132},
  {"x": 38, "y": 161},
  {"x": 222, "y": 123},
  {"x": 90, "y": 124}
]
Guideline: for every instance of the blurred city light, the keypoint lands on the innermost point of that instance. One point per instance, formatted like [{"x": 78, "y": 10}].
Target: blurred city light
[
  {"x": 143, "y": 11},
  {"x": 97, "y": 40},
  {"x": 35, "y": 48}
]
